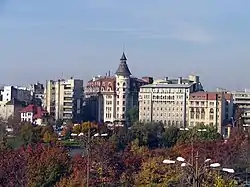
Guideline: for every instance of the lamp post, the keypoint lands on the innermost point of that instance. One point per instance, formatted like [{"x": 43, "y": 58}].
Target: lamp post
[
  {"x": 89, "y": 139},
  {"x": 196, "y": 170}
]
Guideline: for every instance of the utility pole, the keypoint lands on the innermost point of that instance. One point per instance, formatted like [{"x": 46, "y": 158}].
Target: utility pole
[
  {"x": 197, "y": 170},
  {"x": 88, "y": 156}
]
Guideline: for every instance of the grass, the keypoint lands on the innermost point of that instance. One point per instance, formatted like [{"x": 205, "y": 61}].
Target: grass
[
  {"x": 68, "y": 143},
  {"x": 14, "y": 142}
]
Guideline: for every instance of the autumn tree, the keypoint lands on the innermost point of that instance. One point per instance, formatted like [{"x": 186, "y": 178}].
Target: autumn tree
[
  {"x": 77, "y": 175},
  {"x": 132, "y": 158},
  {"x": 13, "y": 167},
  {"x": 155, "y": 173},
  {"x": 46, "y": 165}
]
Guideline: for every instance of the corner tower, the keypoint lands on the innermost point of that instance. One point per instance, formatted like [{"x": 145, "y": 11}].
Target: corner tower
[{"x": 122, "y": 89}]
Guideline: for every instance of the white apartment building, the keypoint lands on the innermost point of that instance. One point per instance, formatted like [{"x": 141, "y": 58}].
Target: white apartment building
[
  {"x": 242, "y": 100},
  {"x": 14, "y": 92},
  {"x": 64, "y": 98},
  {"x": 166, "y": 100}
]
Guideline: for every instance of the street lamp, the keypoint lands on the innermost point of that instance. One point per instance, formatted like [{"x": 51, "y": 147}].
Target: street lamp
[
  {"x": 89, "y": 139},
  {"x": 197, "y": 171}
]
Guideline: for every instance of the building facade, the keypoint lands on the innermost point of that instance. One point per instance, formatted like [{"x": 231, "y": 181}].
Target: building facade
[
  {"x": 108, "y": 98},
  {"x": 37, "y": 93},
  {"x": 166, "y": 100},
  {"x": 210, "y": 108},
  {"x": 10, "y": 109},
  {"x": 64, "y": 99},
  {"x": 242, "y": 100},
  {"x": 34, "y": 114},
  {"x": 12, "y": 92}
]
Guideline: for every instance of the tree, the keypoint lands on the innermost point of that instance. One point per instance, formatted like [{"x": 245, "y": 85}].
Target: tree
[
  {"x": 59, "y": 123},
  {"x": 195, "y": 135},
  {"x": 133, "y": 114},
  {"x": 155, "y": 173},
  {"x": 12, "y": 168},
  {"x": 170, "y": 136},
  {"x": 148, "y": 134},
  {"x": 132, "y": 158},
  {"x": 31, "y": 134},
  {"x": 46, "y": 165}
]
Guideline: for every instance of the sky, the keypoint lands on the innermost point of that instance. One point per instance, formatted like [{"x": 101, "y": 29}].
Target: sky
[{"x": 45, "y": 39}]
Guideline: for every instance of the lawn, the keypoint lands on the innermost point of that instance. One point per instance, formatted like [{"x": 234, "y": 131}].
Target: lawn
[
  {"x": 69, "y": 143},
  {"x": 14, "y": 142}
]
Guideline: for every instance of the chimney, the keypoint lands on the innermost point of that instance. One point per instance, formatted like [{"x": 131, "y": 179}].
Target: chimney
[
  {"x": 180, "y": 80},
  {"x": 109, "y": 73},
  {"x": 166, "y": 79}
]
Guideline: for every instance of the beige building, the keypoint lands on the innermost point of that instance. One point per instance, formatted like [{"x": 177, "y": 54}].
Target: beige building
[
  {"x": 11, "y": 109},
  {"x": 210, "y": 108},
  {"x": 166, "y": 100},
  {"x": 108, "y": 98},
  {"x": 64, "y": 98}
]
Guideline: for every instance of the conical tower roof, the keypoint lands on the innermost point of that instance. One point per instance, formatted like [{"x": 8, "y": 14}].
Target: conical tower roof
[{"x": 123, "y": 69}]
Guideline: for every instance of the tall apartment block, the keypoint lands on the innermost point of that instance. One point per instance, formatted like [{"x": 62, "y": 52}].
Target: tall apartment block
[
  {"x": 242, "y": 100},
  {"x": 64, "y": 99},
  {"x": 166, "y": 100}
]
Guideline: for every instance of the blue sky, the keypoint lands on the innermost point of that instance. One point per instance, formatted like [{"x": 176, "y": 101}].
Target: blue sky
[{"x": 48, "y": 39}]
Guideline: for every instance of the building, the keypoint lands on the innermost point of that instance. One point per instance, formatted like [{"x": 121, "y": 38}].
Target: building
[
  {"x": 166, "y": 100},
  {"x": 37, "y": 93},
  {"x": 210, "y": 108},
  {"x": 64, "y": 99},
  {"x": 34, "y": 114},
  {"x": 242, "y": 100},
  {"x": 11, "y": 109},
  {"x": 108, "y": 98},
  {"x": 13, "y": 92}
]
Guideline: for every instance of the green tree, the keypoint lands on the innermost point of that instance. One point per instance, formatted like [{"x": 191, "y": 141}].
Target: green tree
[
  {"x": 194, "y": 134},
  {"x": 170, "y": 136},
  {"x": 148, "y": 134},
  {"x": 133, "y": 114}
]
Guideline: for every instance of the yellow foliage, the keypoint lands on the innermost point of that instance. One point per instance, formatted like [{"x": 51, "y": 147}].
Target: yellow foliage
[
  {"x": 155, "y": 173},
  {"x": 84, "y": 127},
  {"x": 49, "y": 137}
]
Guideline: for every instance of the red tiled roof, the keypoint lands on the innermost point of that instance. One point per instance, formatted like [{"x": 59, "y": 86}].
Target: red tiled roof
[
  {"x": 40, "y": 113},
  {"x": 205, "y": 96},
  {"x": 29, "y": 108}
]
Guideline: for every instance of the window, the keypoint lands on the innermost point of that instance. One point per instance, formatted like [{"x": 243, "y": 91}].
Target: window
[
  {"x": 211, "y": 111},
  {"x": 123, "y": 109},
  {"x": 192, "y": 113},
  {"x": 202, "y": 113},
  {"x": 211, "y": 117},
  {"x": 123, "y": 96}
]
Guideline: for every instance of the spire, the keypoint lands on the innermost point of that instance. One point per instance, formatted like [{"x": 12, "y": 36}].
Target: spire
[
  {"x": 123, "y": 69},
  {"x": 123, "y": 58}
]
